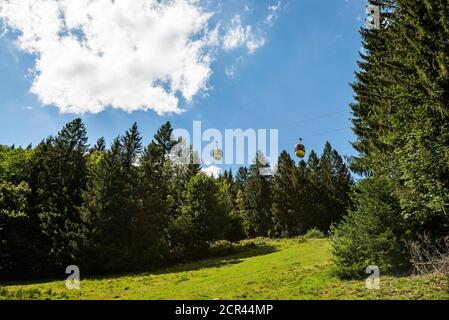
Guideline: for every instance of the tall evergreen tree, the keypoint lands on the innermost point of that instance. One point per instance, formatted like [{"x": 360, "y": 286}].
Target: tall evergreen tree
[
  {"x": 58, "y": 178},
  {"x": 164, "y": 137},
  {"x": 111, "y": 204},
  {"x": 314, "y": 206},
  {"x": 400, "y": 114},
  {"x": 401, "y": 121},
  {"x": 288, "y": 198},
  {"x": 257, "y": 200},
  {"x": 151, "y": 218},
  {"x": 241, "y": 179}
]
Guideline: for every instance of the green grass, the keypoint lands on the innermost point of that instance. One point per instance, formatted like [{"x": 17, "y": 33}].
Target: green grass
[{"x": 274, "y": 269}]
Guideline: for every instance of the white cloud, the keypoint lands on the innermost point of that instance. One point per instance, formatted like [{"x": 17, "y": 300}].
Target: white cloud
[
  {"x": 212, "y": 171},
  {"x": 128, "y": 54},
  {"x": 239, "y": 35},
  {"x": 273, "y": 13}
]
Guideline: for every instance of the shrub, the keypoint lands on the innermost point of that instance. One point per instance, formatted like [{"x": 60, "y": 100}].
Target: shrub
[
  {"x": 314, "y": 234},
  {"x": 221, "y": 248},
  {"x": 371, "y": 233}
]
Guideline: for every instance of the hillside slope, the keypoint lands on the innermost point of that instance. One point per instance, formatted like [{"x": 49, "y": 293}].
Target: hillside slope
[{"x": 274, "y": 269}]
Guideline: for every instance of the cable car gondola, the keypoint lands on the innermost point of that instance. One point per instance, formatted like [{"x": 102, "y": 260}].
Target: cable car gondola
[
  {"x": 300, "y": 150},
  {"x": 217, "y": 153}
]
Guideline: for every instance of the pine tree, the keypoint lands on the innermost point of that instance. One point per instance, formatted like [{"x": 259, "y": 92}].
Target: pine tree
[
  {"x": 100, "y": 145},
  {"x": 164, "y": 138},
  {"x": 326, "y": 188},
  {"x": 102, "y": 212},
  {"x": 400, "y": 114},
  {"x": 401, "y": 122},
  {"x": 112, "y": 205},
  {"x": 343, "y": 183},
  {"x": 257, "y": 216},
  {"x": 59, "y": 175},
  {"x": 241, "y": 180},
  {"x": 315, "y": 209},
  {"x": 422, "y": 135},
  {"x": 288, "y": 198},
  {"x": 151, "y": 218}
]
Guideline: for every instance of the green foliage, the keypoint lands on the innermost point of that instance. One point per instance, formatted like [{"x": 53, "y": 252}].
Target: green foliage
[
  {"x": 150, "y": 244},
  {"x": 111, "y": 202},
  {"x": 255, "y": 200},
  {"x": 371, "y": 234},
  {"x": 14, "y": 164},
  {"x": 288, "y": 198},
  {"x": 401, "y": 120},
  {"x": 314, "y": 234},
  {"x": 57, "y": 180},
  {"x": 19, "y": 233},
  {"x": 204, "y": 216},
  {"x": 164, "y": 138},
  {"x": 128, "y": 208}
]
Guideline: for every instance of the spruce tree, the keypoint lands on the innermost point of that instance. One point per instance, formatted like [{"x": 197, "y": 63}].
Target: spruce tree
[
  {"x": 314, "y": 206},
  {"x": 151, "y": 218},
  {"x": 288, "y": 198},
  {"x": 257, "y": 216},
  {"x": 58, "y": 178},
  {"x": 112, "y": 205}
]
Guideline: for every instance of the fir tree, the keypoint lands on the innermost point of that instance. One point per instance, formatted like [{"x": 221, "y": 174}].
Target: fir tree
[
  {"x": 59, "y": 175},
  {"x": 288, "y": 198},
  {"x": 257, "y": 216}
]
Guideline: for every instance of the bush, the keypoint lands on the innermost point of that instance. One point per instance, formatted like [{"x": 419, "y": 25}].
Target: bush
[
  {"x": 221, "y": 248},
  {"x": 314, "y": 234},
  {"x": 371, "y": 233}
]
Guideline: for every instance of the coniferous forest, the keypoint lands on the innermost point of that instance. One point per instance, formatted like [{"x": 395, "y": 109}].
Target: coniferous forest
[{"x": 128, "y": 207}]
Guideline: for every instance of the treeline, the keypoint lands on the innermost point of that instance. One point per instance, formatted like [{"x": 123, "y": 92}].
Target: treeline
[
  {"x": 401, "y": 118},
  {"x": 130, "y": 207}
]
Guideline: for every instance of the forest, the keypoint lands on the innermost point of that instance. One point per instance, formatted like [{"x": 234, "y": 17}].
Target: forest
[{"x": 130, "y": 208}]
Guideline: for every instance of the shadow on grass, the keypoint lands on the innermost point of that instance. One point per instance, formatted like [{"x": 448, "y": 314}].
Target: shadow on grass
[
  {"x": 232, "y": 258},
  {"x": 218, "y": 262}
]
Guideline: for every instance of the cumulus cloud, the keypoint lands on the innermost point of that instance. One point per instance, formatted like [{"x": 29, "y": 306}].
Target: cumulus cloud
[{"x": 125, "y": 54}]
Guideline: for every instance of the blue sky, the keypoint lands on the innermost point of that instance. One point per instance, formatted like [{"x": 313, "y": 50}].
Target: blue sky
[{"x": 302, "y": 71}]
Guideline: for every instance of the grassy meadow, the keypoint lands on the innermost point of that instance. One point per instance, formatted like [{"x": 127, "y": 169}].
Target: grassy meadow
[{"x": 272, "y": 269}]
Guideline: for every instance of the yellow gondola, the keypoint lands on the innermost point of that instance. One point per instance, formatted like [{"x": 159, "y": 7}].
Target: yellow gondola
[
  {"x": 300, "y": 153},
  {"x": 300, "y": 150}
]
